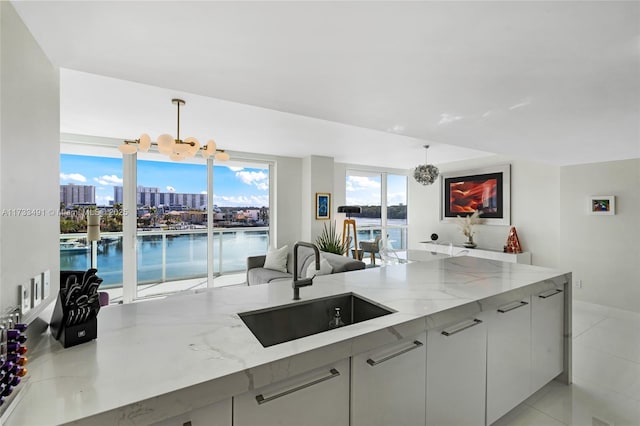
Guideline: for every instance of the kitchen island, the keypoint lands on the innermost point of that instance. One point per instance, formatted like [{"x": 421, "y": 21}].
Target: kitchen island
[{"x": 159, "y": 360}]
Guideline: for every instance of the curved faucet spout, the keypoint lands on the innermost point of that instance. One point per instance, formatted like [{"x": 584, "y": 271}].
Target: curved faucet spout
[{"x": 303, "y": 282}]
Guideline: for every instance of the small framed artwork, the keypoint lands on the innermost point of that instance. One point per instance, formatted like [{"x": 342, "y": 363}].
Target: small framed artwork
[
  {"x": 323, "y": 205},
  {"x": 602, "y": 204},
  {"x": 486, "y": 190}
]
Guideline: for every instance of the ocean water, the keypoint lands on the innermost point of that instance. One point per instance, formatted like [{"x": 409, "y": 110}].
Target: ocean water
[{"x": 186, "y": 254}]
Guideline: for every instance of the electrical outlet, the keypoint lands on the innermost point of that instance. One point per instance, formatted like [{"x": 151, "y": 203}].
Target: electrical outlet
[
  {"x": 36, "y": 290},
  {"x": 25, "y": 297},
  {"x": 46, "y": 284}
]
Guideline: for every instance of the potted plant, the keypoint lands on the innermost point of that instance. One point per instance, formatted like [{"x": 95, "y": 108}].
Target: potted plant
[{"x": 330, "y": 241}]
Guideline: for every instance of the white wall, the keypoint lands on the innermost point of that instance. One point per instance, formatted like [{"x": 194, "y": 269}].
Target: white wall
[
  {"x": 288, "y": 195},
  {"x": 29, "y": 151},
  {"x": 317, "y": 176},
  {"x": 535, "y": 204},
  {"x": 602, "y": 251}
]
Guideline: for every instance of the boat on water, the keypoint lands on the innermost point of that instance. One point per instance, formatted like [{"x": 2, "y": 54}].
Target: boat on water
[{"x": 72, "y": 247}]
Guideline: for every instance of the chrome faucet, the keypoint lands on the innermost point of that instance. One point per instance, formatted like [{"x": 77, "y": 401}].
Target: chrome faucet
[{"x": 302, "y": 282}]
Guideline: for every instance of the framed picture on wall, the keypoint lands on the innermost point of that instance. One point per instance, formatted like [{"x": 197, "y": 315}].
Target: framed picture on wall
[
  {"x": 323, "y": 205},
  {"x": 602, "y": 204},
  {"x": 487, "y": 190}
]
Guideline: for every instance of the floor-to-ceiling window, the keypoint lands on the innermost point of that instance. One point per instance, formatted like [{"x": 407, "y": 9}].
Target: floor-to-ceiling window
[
  {"x": 396, "y": 203},
  {"x": 382, "y": 197},
  {"x": 91, "y": 182},
  {"x": 171, "y": 217},
  {"x": 171, "y": 212}
]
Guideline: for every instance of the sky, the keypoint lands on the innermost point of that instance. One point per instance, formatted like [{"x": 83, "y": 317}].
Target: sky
[
  {"x": 233, "y": 186},
  {"x": 364, "y": 189}
]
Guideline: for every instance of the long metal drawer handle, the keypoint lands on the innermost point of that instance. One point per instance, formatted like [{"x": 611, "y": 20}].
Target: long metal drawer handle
[
  {"x": 262, "y": 400},
  {"x": 503, "y": 311},
  {"x": 458, "y": 330},
  {"x": 549, "y": 293},
  {"x": 416, "y": 345}
]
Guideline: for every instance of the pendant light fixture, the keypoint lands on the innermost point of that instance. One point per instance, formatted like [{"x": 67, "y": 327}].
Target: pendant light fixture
[
  {"x": 177, "y": 149},
  {"x": 426, "y": 173}
]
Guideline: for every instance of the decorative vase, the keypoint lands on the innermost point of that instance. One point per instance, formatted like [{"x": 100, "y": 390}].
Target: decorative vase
[{"x": 469, "y": 243}]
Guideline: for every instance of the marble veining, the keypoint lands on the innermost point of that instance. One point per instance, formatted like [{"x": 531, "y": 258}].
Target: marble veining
[{"x": 161, "y": 358}]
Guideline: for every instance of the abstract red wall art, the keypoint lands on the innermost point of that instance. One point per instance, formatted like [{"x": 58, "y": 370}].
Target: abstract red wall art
[{"x": 465, "y": 193}]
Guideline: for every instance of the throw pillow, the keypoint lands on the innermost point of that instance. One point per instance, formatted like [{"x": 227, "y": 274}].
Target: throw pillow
[
  {"x": 325, "y": 268},
  {"x": 277, "y": 259}
]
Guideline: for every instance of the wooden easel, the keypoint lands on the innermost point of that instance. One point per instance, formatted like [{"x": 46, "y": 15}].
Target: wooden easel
[{"x": 346, "y": 233}]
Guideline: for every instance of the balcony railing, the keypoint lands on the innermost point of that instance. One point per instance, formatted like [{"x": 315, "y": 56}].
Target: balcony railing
[{"x": 166, "y": 255}]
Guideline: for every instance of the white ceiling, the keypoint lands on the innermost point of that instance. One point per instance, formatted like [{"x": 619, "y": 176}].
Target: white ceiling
[{"x": 365, "y": 82}]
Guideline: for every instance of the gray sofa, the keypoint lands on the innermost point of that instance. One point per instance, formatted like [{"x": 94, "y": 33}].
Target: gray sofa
[{"x": 256, "y": 274}]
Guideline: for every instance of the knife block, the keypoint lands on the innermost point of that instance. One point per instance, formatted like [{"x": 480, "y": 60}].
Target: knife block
[{"x": 71, "y": 335}]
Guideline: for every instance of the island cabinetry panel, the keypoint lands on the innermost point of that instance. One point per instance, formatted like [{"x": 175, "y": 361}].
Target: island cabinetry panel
[
  {"x": 508, "y": 356},
  {"x": 456, "y": 373},
  {"x": 388, "y": 384},
  {"x": 317, "y": 398},
  {"x": 218, "y": 414},
  {"x": 547, "y": 337}
]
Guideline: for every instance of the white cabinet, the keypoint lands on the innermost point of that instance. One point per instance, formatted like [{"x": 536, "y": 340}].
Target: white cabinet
[
  {"x": 456, "y": 371},
  {"x": 457, "y": 250},
  {"x": 388, "y": 385},
  {"x": 316, "y": 398},
  {"x": 508, "y": 357},
  {"x": 218, "y": 414},
  {"x": 547, "y": 337}
]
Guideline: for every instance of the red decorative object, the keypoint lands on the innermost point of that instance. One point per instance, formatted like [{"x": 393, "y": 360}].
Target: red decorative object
[{"x": 513, "y": 244}]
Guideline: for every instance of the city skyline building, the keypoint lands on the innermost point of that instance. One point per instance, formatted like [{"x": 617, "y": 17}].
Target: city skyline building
[
  {"x": 72, "y": 194},
  {"x": 153, "y": 197}
]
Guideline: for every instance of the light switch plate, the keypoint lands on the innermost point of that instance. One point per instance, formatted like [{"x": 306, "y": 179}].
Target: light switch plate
[
  {"x": 25, "y": 297},
  {"x": 46, "y": 284},
  {"x": 36, "y": 290}
]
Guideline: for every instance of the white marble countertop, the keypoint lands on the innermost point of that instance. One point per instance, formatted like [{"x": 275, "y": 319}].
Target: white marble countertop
[{"x": 165, "y": 357}]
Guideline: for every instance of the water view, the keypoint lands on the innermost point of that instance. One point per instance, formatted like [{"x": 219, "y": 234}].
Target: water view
[{"x": 184, "y": 252}]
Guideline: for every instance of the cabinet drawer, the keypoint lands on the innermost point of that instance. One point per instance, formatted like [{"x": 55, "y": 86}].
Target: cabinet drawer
[
  {"x": 388, "y": 385},
  {"x": 317, "y": 398},
  {"x": 508, "y": 357},
  {"x": 218, "y": 414},
  {"x": 547, "y": 331},
  {"x": 456, "y": 372}
]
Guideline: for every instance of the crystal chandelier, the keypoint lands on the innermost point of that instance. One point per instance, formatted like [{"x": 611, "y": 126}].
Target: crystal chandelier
[
  {"x": 177, "y": 149},
  {"x": 426, "y": 173}
]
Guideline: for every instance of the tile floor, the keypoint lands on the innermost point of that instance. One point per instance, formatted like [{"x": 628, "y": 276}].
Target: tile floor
[{"x": 606, "y": 375}]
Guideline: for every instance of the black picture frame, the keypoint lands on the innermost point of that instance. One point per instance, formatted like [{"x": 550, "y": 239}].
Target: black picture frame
[{"x": 486, "y": 190}]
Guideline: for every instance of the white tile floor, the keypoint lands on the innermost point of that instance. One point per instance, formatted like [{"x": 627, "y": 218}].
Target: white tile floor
[{"x": 606, "y": 375}]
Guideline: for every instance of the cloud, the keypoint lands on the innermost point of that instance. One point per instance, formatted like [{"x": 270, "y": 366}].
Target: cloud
[
  {"x": 448, "y": 118},
  {"x": 108, "y": 180},
  {"x": 359, "y": 201},
  {"x": 241, "y": 200},
  {"x": 171, "y": 189},
  {"x": 73, "y": 176},
  {"x": 357, "y": 183},
  {"x": 234, "y": 168},
  {"x": 203, "y": 192},
  {"x": 395, "y": 198},
  {"x": 103, "y": 200},
  {"x": 258, "y": 179}
]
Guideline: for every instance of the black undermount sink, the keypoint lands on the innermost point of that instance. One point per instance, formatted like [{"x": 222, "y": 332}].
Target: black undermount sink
[{"x": 289, "y": 322}]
